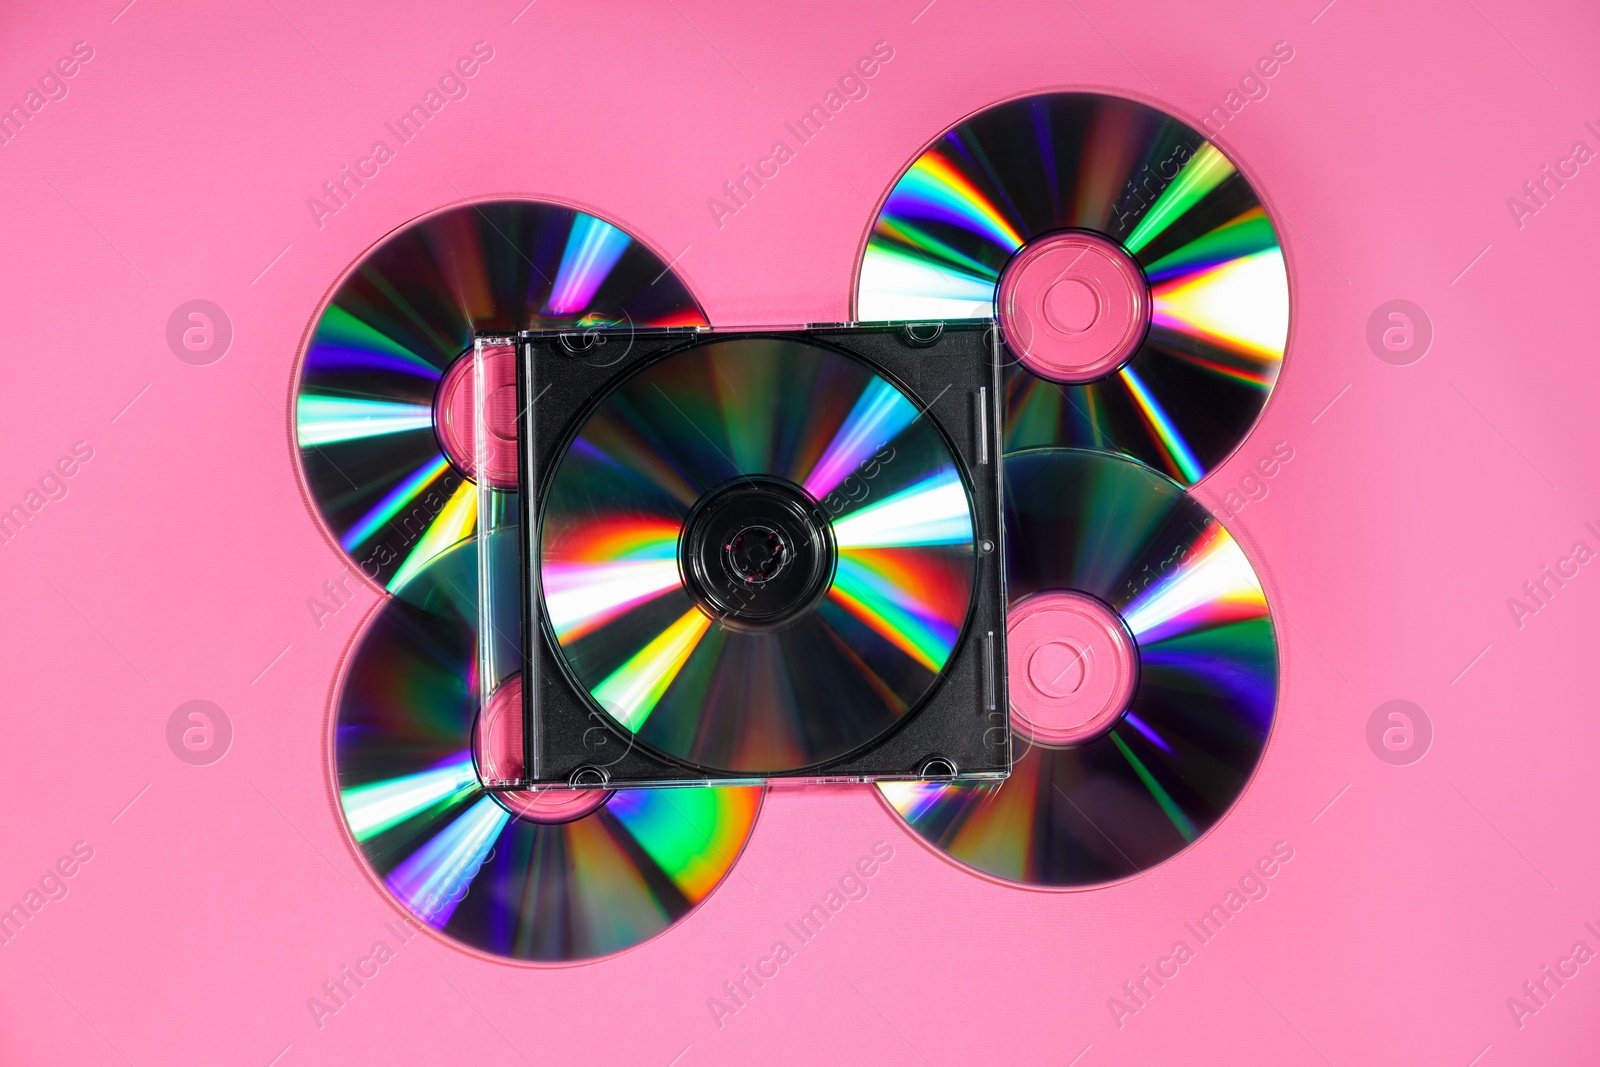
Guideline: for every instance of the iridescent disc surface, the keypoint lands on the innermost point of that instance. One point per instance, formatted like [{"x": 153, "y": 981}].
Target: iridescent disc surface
[
  {"x": 1183, "y": 749},
  {"x": 1156, "y": 187},
  {"x": 364, "y": 409},
  {"x": 832, "y": 434},
  {"x": 456, "y": 857}
]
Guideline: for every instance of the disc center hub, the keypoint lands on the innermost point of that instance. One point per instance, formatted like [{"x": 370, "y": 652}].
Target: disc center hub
[
  {"x": 756, "y": 552},
  {"x": 1073, "y": 667},
  {"x": 497, "y": 756},
  {"x": 1058, "y": 668},
  {"x": 456, "y": 421},
  {"x": 1073, "y": 306}
]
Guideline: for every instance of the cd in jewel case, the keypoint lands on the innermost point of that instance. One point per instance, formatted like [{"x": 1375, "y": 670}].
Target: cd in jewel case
[{"x": 749, "y": 556}]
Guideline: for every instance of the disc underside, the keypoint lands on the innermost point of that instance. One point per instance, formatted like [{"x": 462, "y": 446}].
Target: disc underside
[
  {"x": 1166, "y": 196},
  {"x": 452, "y": 854},
  {"x": 1182, "y": 751},
  {"x": 364, "y": 407}
]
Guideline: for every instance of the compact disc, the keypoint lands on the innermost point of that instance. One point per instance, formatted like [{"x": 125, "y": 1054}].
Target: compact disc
[
  {"x": 1136, "y": 277},
  {"x": 553, "y": 876},
  {"x": 383, "y": 372},
  {"x": 1143, "y": 675},
  {"x": 757, "y": 554}
]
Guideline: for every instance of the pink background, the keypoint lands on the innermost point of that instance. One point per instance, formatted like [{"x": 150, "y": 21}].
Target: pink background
[{"x": 180, "y": 563}]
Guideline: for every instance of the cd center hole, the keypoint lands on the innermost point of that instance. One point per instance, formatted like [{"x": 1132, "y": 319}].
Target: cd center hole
[
  {"x": 757, "y": 554},
  {"x": 500, "y": 413},
  {"x": 1071, "y": 306},
  {"x": 1059, "y": 669}
]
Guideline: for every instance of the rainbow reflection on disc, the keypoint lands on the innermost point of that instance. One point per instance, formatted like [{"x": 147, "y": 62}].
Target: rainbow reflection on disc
[
  {"x": 757, "y": 555},
  {"x": 1025, "y": 171},
  {"x": 456, "y": 857},
  {"x": 1181, "y": 751},
  {"x": 379, "y": 356}
]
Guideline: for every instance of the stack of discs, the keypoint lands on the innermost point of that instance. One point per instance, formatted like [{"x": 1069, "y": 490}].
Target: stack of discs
[
  {"x": 1139, "y": 287},
  {"x": 547, "y": 876},
  {"x": 1141, "y": 292}
]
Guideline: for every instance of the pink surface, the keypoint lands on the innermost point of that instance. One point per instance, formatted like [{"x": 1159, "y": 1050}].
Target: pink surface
[{"x": 188, "y": 910}]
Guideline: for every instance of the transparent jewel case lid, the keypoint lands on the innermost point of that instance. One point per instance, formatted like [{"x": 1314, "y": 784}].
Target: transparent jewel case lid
[{"x": 741, "y": 556}]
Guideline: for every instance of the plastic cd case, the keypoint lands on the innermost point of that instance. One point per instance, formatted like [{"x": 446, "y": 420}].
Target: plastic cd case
[{"x": 743, "y": 556}]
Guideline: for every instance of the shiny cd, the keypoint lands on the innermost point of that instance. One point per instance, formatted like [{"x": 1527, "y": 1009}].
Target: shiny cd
[
  {"x": 555, "y": 876},
  {"x": 1143, "y": 675},
  {"x": 1135, "y": 274},
  {"x": 757, "y": 555},
  {"x": 384, "y": 394}
]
